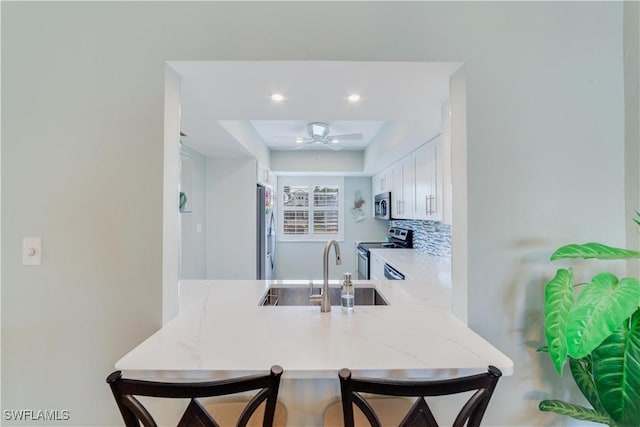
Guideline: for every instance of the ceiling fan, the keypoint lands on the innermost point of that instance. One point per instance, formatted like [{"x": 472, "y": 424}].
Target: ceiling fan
[{"x": 319, "y": 135}]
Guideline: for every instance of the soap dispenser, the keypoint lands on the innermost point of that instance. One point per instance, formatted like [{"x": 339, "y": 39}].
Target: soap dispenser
[{"x": 347, "y": 293}]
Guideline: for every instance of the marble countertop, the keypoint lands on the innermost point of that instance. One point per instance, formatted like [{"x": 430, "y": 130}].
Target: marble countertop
[{"x": 222, "y": 328}]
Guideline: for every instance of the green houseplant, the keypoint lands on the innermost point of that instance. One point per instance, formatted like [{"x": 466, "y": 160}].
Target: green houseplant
[{"x": 598, "y": 334}]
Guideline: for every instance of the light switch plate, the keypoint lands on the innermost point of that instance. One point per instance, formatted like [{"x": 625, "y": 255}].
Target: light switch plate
[{"x": 32, "y": 251}]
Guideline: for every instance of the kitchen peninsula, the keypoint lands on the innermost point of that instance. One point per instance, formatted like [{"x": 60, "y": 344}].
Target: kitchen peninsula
[{"x": 221, "y": 330}]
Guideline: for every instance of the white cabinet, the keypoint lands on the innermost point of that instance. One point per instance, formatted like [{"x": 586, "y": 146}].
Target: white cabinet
[
  {"x": 416, "y": 191},
  {"x": 376, "y": 267},
  {"x": 428, "y": 182},
  {"x": 419, "y": 183},
  {"x": 381, "y": 182},
  {"x": 402, "y": 183}
]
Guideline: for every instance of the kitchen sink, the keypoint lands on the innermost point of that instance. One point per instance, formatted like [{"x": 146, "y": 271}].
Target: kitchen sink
[{"x": 299, "y": 296}]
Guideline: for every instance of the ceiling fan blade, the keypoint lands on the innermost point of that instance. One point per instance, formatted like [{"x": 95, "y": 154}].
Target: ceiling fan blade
[
  {"x": 334, "y": 147},
  {"x": 346, "y": 136},
  {"x": 304, "y": 138},
  {"x": 301, "y": 146}
]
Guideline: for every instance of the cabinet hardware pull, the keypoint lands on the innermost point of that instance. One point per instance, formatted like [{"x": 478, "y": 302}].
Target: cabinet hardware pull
[{"x": 430, "y": 201}]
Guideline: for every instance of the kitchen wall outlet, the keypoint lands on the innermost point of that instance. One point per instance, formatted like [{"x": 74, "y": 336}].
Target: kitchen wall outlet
[
  {"x": 198, "y": 228},
  {"x": 32, "y": 251}
]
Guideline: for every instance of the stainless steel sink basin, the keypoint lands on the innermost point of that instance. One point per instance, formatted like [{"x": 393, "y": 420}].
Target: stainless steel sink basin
[{"x": 299, "y": 296}]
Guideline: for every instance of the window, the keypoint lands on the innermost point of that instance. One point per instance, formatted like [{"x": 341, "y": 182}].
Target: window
[{"x": 311, "y": 208}]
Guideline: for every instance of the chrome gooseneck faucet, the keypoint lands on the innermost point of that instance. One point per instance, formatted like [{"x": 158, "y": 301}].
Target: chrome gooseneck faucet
[{"x": 325, "y": 301}]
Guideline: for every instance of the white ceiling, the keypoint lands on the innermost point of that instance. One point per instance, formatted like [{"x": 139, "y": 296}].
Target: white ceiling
[{"x": 217, "y": 93}]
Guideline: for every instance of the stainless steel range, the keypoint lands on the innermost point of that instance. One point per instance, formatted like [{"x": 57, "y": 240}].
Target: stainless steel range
[{"x": 398, "y": 238}]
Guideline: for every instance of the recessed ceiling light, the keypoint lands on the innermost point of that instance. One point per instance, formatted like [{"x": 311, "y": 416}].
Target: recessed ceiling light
[
  {"x": 335, "y": 141},
  {"x": 277, "y": 97},
  {"x": 354, "y": 97}
]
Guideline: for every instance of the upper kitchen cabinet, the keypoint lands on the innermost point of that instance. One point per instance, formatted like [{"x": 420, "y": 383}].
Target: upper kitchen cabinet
[
  {"x": 402, "y": 189},
  {"x": 381, "y": 182},
  {"x": 427, "y": 163},
  {"x": 419, "y": 183}
]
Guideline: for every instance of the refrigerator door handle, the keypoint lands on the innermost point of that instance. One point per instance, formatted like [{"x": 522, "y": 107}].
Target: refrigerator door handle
[
  {"x": 274, "y": 240},
  {"x": 260, "y": 235}
]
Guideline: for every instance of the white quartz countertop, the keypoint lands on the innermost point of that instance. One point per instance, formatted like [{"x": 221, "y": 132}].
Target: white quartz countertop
[
  {"x": 222, "y": 328},
  {"x": 416, "y": 265}
]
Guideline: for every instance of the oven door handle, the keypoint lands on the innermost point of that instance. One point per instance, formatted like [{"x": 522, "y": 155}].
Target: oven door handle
[{"x": 391, "y": 273}]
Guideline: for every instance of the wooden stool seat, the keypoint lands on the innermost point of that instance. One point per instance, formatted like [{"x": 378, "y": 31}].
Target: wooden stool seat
[
  {"x": 227, "y": 413},
  {"x": 391, "y": 411}
]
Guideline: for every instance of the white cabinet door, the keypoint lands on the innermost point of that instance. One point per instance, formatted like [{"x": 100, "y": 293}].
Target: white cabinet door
[
  {"x": 375, "y": 185},
  {"x": 402, "y": 189},
  {"x": 381, "y": 182},
  {"x": 397, "y": 190},
  {"x": 385, "y": 181},
  {"x": 376, "y": 267},
  {"x": 428, "y": 182},
  {"x": 408, "y": 205}
]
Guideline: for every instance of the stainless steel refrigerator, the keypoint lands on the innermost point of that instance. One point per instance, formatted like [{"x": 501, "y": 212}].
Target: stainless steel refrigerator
[{"x": 266, "y": 239}]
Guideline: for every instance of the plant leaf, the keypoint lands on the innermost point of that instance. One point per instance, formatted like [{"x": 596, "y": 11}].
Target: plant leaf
[
  {"x": 573, "y": 411},
  {"x": 581, "y": 371},
  {"x": 616, "y": 371},
  {"x": 593, "y": 250},
  {"x": 600, "y": 308},
  {"x": 558, "y": 300}
]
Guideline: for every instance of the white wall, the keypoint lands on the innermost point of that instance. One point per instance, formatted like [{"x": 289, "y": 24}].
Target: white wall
[
  {"x": 632, "y": 127},
  {"x": 170, "y": 194},
  {"x": 193, "y": 233},
  {"x": 82, "y": 159},
  {"x": 303, "y": 260},
  {"x": 394, "y": 141},
  {"x": 459, "y": 189},
  {"x": 249, "y": 138},
  {"x": 231, "y": 218},
  {"x": 344, "y": 161}
]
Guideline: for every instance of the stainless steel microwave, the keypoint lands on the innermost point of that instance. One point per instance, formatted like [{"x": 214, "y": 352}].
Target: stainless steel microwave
[{"x": 382, "y": 206}]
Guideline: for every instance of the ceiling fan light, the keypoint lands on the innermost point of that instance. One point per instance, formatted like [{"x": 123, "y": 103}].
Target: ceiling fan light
[
  {"x": 335, "y": 140},
  {"x": 298, "y": 140},
  {"x": 277, "y": 97},
  {"x": 354, "y": 97},
  {"x": 318, "y": 129}
]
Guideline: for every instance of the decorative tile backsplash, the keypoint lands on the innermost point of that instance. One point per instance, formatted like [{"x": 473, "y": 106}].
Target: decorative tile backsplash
[{"x": 431, "y": 237}]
